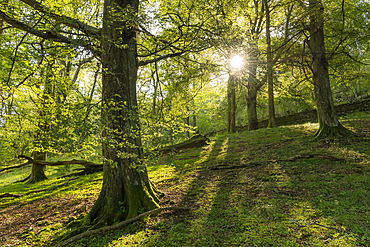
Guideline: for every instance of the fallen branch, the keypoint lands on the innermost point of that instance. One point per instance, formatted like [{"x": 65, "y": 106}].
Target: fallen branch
[
  {"x": 196, "y": 141},
  {"x": 36, "y": 191},
  {"x": 116, "y": 226},
  {"x": 13, "y": 167},
  {"x": 293, "y": 158},
  {"x": 59, "y": 163},
  {"x": 90, "y": 167}
]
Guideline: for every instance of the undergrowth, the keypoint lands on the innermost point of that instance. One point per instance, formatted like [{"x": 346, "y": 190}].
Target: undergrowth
[{"x": 306, "y": 202}]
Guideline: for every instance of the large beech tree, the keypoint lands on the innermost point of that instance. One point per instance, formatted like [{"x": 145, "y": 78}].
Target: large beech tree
[
  {"x": 126, "y": 187},
  {"x": 328, "y": 118}
]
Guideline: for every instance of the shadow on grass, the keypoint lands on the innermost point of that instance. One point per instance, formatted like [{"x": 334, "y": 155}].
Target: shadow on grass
[
  {"x": 35, "y": 218},
  {"x": 310, "y": 202}
]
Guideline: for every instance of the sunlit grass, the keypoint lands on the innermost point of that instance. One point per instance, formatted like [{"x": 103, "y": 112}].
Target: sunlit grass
[{"x": 308, "y": 202}]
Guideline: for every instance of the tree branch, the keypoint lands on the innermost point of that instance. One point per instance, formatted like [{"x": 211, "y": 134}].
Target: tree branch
[
  {"x": 142, "y": 63},
  {"x": 17, "y": 166},
  {"x": 68, "y": 21},
  {"x": 60, "y": 163},
  {"x": 49, "y": 35}
]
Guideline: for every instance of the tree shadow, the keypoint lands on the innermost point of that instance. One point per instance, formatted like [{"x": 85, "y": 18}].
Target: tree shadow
[{"x": 306, "y": 202}]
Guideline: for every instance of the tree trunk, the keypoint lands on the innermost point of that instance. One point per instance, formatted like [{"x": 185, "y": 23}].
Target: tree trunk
[
  {"x": 155, "y": 84},
  {"x": 252, "y": 109},
  {"x": 170, "y": 130},
  {"x": 270, "y": 82},
  {"x": 126, "y": 187},
  {"x": 45, "y": 106},
  {"x": 187, "y": 124},
  {"x": 194, "y": 121},
  {"x": 253, "y": 86},
  {"x": 170, "y": 134},
  {"x": 38, "y": 171},
  {"x": 328, "y": 119},
  {"x": 231, "y": 104}
]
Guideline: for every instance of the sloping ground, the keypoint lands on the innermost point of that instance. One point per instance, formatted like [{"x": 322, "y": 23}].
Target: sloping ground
[
  {"x": 311, "y": 115},
  {"x": 308, "y": 116},
  {"x": 241, "y": 190}
]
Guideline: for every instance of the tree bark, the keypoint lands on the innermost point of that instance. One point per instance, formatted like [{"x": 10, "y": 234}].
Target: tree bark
[
  {"x": 327, "y": 116},
  {"x": 126, "y": 187}
]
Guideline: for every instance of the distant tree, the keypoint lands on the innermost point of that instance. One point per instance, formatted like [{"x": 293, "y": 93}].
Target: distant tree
[
  {"x": 269, "y": 73},
  {"x": 45, "y": 115},
  {"x": 231, "y": 104}
]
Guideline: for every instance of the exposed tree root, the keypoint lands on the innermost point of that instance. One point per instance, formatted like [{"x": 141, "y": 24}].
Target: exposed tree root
[
  {"x": 24, "y": 179},
  {"x": 116, "y": 226},
  {"x": 36, "y": 191},
  {"x": 293, "y": 158},
  {"x": 332, "y": 132}
]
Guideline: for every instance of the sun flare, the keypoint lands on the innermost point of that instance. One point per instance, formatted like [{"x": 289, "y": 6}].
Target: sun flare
[{"x": 236, "y": 62}]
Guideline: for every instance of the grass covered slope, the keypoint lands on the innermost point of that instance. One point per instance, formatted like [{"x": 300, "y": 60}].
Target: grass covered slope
[{"x": 241, "y": 190}]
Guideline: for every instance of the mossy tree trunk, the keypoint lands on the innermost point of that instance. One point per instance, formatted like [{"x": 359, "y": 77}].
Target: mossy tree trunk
[
  {"x": 126, "y": 187},
  {"x": 328, "y": 119},
  {"x": 38, "y": 171}
]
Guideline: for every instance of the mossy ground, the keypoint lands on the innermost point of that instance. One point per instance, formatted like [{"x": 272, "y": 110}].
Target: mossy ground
[{"x": 308, "y": 202}]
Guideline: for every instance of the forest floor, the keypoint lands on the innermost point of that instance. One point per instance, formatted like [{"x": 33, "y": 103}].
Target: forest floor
[{"x": 270, "y": 187}]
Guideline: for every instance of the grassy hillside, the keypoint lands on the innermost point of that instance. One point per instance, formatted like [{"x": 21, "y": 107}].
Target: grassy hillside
[{"x": 270, "y": 187}]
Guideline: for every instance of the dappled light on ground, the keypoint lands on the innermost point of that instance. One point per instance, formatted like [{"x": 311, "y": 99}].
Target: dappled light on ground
[
  {"x": 239, "y": 192},
  {"x": 224, "y": 148},
  {"x": 205, "y": 153}
]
